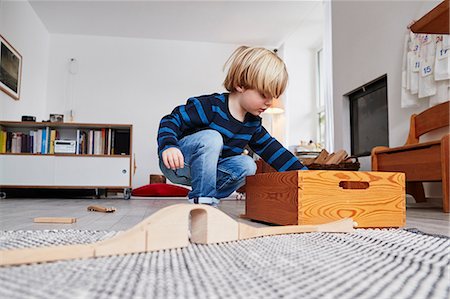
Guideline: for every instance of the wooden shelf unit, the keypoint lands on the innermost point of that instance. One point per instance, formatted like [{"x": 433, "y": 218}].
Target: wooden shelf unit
[
  {"x": 434, "y": 22},
  {"x": 66, "y": 155},
  {"x": 67, "y": 170}
]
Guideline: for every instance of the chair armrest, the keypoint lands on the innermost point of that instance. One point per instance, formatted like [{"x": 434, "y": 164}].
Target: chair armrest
[
  {"x": 378, "y": 149},
  {"x": 383, "y": 149}
]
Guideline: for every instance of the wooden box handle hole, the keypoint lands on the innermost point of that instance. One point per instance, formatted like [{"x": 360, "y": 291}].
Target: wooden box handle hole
[{"x": 353, "y": 185}]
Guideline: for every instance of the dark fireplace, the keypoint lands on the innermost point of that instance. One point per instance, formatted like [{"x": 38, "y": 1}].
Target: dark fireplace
[{"x": 369, "y": 117}]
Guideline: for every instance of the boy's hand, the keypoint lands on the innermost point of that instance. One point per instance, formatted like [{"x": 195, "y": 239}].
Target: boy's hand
[{"x": 173, "y": 158}]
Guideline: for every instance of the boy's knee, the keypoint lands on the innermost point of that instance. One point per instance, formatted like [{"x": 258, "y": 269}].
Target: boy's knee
[
  {"x": 210, "y": 139},
  {"x": 249, "y": 165}
]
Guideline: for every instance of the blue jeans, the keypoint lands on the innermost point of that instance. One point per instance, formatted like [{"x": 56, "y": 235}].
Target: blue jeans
[{"x": 210, "y": 176}]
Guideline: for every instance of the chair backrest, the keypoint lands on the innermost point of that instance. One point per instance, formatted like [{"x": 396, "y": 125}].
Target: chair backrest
[{"x": 431, "y": 119}]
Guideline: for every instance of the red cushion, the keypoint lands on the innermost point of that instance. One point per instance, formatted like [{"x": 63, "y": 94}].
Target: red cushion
[{"x": 160, "y": 190}]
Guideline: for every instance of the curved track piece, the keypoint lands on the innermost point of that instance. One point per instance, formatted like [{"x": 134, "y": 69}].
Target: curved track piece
[{"x": 166, "y": 229}]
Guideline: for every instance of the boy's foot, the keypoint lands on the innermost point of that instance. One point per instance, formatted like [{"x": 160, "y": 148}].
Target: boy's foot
[{"x": 214, "y": 202}]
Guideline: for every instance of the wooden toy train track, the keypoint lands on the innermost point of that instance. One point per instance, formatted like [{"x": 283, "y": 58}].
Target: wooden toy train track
[{"x": 166, "y": 229}]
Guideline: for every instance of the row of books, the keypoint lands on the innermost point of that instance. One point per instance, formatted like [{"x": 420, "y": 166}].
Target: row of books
[
  {"x": 36, "y": 142},
  {"x": 103, "y": 142},
  {"x": 90, "y": 142}
]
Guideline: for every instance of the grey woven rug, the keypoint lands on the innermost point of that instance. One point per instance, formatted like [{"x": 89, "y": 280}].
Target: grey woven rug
[{"x": 378, "y": 264}]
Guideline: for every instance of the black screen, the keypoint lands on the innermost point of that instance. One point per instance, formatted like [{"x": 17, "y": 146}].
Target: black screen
[{"x": 369, "y": 117}]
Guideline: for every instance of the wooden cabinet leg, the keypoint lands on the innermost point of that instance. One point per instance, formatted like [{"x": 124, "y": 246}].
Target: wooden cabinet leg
[
  {"x": 445, "y": 160},
  {"x": 126, "y": 193},
  {"x": 416, "y": 190}
]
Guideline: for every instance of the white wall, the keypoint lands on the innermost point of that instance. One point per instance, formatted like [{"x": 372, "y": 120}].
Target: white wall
[
  {"x": 367, "y": 42},
  {"x": 136, "y": 81},
  {"x": 301, "y": 110},
  {"x": 300, "y": 99},
  {"x": 21, "y": 27}
]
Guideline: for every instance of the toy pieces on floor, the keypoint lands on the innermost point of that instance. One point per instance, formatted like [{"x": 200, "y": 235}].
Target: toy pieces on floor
[
  {"x": 67, "y": 220},
  {"x": 101, "y": 209},
  {"x": 166, "y": 229}
]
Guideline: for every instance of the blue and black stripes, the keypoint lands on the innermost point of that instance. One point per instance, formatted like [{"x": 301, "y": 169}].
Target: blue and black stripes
[{"x": 211, "y": 112}]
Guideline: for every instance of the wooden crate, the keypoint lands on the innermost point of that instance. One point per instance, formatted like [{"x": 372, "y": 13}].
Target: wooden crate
[{"x": 372, "y": 199}]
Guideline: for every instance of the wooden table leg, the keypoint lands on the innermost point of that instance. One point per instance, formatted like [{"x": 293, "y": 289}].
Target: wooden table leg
[{"x": 416, "y": 190}]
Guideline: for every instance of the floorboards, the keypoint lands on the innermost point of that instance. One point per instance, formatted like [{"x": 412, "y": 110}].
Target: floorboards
[{"x": 18, "y": 214}]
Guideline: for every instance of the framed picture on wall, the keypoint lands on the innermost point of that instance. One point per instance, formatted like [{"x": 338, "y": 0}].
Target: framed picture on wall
[{"x": 10, "y": 69}]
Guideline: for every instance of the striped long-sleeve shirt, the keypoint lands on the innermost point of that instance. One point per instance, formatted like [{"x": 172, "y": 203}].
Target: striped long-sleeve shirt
[{"x": 212, "y": 112}]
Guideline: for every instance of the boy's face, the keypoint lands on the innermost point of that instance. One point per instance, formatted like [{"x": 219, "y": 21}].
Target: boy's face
[{"x": 252, "y": 101}]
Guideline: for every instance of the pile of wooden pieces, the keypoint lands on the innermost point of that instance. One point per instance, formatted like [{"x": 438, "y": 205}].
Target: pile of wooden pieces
[{"x": 324, "y": 158}]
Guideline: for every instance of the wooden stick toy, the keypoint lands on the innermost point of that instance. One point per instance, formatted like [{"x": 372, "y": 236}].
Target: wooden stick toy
[
  {"x": 67, "y": 220},
  {"x": 101, "y": 209},
  {"x": 166, "y": 229}
]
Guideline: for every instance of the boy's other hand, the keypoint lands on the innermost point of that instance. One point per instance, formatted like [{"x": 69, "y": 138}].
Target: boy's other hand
[{"x": 173, "y": 158}]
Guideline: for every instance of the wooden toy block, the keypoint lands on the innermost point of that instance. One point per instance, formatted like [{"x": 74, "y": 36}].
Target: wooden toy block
[
  {"x": 166, "y": 229},
  {"x": 371, "y": 199},
  {"x": 67, "y": 220},
  {"x": 101, "y": 209},
  {"x": 321, "y": 157},
  {"x": 337, "y": 158}
]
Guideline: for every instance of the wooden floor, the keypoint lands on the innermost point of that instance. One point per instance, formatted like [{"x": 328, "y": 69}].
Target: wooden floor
[{"x": 18, "y": 214}]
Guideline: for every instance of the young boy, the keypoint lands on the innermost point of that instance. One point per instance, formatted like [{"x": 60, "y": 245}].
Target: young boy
[{"x": 200, "y": 144}]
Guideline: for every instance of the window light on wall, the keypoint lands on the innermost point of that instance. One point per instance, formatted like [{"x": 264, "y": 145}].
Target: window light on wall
[{"x": 277, "y": 107}]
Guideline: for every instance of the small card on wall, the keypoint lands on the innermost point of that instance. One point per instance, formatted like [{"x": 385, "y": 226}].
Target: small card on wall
[
  {"x": 441, "y": 53},
  {"x": 426, "y": 68},
  {"x": 426, "y": 39},
  {"x": 415, "y": 64}
]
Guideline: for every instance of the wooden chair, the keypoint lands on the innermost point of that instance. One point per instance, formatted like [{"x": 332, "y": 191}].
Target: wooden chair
[{"x": 421, "y": 162}]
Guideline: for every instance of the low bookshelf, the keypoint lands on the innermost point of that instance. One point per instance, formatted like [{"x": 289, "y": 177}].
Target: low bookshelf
[{"x": 65, "y": 156}]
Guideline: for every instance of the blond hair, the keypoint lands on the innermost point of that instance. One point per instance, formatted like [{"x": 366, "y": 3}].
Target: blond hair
[{"x": 256, "y": 68}]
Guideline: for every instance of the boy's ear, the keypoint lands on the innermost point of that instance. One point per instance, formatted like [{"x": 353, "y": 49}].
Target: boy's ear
[{"x": 240, "y": 89}]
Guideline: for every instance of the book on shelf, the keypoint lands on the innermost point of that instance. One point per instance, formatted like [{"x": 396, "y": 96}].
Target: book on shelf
[
  {"x": 23, "y": 142},
  {"x": 97, "y": 142},
  {"x": 33, "y": 141},
  {"x": 77, "y": 146},
  {"x": 84, "y": 145},
  {"x": 90, "y": 142},
  {"x": 102, "y": 148},
  {"x": 3, "y": 137},
  {"x": 9, "y": 141},
  {"x": 110, "y": 141},
  {"x": 14, "y": 142},
  {"x": 113, "y": 138},
  {"x": 39, "y": 141},
  {"x": 44, "y": 142},
  {"x": 52, "y": 142}
]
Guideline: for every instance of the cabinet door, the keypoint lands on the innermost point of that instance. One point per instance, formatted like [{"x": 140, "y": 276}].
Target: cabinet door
[
  {"x": 27, "y": 170},
  {"x": 92, "y": 171}
]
